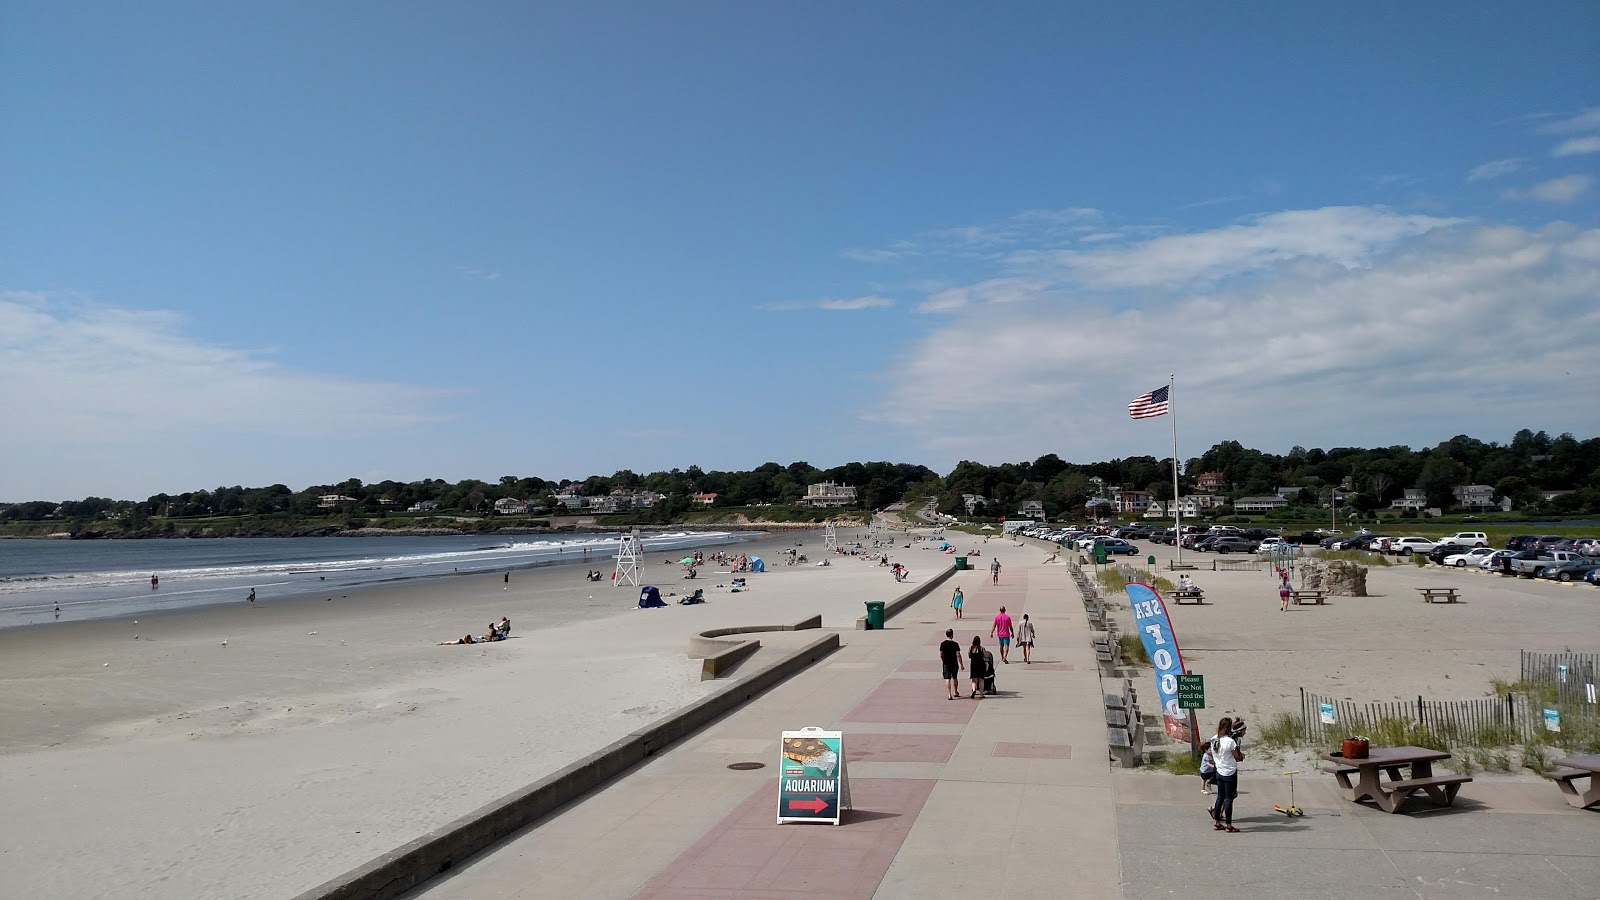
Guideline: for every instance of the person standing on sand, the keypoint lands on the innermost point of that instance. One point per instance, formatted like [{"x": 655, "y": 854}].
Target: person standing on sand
[
  {"x": 1225, "y": 754},
  {"x": 956, "y": 600},
  {"x": 1025, "y": 639},
  {"x": 252, "y": 597},
  {"x": 154, "y": 582},
  {"x": 508, "y": 578},
  {"x": 1002, "y": 629},
  {"x": 950, "y": 662}
]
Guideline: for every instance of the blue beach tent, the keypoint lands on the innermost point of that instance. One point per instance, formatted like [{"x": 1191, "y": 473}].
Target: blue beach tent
[
  {"x": 650, "y": 597},
  {"x": 757, "y": 565}
]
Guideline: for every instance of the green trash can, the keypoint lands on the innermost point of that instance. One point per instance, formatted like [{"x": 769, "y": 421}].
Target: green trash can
[
  {"x": 874, "y": 615},
  {"x": 961, "y": 564},
  {"x": 1150, "y": 560}
]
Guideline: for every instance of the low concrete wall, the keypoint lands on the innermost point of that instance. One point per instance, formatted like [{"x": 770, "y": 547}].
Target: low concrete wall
[
  {"x": 715, "y": 666},
  {"x": 440, "y": 850},
  {"x": 706, "y": 644},
  {"x": 900, "y": 604}
]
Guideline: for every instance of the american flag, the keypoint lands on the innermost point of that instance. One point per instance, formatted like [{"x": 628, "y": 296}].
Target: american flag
[{"x": 1148, "y": 406}]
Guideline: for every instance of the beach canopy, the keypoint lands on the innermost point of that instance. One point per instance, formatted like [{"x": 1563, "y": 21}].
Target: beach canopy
[
  {"x": 686, "y": 561},
  {"x": 650, "y": 597},
  {"x": 757, "y": 564}
]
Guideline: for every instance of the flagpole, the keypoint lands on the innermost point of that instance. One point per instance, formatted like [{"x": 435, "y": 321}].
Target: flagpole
[{"x": 1177, "y": 516}]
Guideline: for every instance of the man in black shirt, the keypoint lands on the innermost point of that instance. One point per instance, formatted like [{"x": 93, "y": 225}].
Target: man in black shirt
[{"x": 950, "y": 658}]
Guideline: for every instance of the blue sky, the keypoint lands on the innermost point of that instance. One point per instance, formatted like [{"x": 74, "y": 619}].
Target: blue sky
[{"x": 300, "y": 242}]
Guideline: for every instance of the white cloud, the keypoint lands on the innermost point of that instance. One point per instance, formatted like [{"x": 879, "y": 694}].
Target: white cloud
[
  {"x": 1578, "y": 123},
  {"x": 871, "y": 301},
  {"x": 1031, "y": 227},
  {"x": 1556, "y": 190},
  {"x": 1577, "y": 146},
  {"x": 1495, "y": 169},
  {"x": 1345, "y": 235},
  {"x": 1214, "y": 201},
  {"x": 472, "y": 273},
  {"x": 1309, "y": 351},
  {"x": 89, "y": 381},
  {"x": 995, "y": 290}
]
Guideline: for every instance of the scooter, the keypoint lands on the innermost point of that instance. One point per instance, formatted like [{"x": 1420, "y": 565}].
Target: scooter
[{"x": 1291, "y": 810}]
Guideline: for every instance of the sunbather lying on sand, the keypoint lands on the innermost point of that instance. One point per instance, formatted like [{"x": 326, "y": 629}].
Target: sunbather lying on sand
[{"x": 464, "y": 639}]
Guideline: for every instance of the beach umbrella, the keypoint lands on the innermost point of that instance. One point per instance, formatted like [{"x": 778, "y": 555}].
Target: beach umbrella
[{"x": 687, "y": 560}]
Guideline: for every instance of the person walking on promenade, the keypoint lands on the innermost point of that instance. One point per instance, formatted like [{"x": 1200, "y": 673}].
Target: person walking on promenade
[
  {"x": 1025, "y": 636},
  {"x": 975, "y": 664},
  {"x": 950, "y": 662},
  {"x": 1283, "y": 592},
  {"x": 1001, "y": 629},
  {"x": 1225, "y": 753},
  {"x": 956, "y": 600},
  {"x": 994, "y": 570}
]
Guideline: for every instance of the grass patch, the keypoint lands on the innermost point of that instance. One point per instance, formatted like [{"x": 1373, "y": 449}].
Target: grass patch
[
  {"x": 1535, "y": 758},
  {"x": 1132, "y": 649},
  {"x": 1534, "y": 690},
  {"x": 1406, "y": 733},
  {"x": 1282, "y": 730},
  {"x": 1418, "y": 560},
  {"x": 1496, "y": 736},
  {"x": 1181, "y": 763}
]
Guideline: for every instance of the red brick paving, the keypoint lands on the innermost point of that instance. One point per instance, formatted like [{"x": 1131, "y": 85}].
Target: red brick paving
[
  {"x": 910, "y": 700},
  {"x": 915, "y": 748},
  {"x": 748, "y": 856}
]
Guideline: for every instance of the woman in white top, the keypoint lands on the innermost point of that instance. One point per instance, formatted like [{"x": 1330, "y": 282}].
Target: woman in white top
[
  {"x": 1025, "y": 636},
  {"x": 1226, "y": 754}
]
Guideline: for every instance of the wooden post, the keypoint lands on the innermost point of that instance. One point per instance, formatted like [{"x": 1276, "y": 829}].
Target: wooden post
[{"x": 1194, "y": 738}]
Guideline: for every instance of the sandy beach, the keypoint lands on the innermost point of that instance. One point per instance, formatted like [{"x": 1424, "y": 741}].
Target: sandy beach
[{"x": 146, "y": 758}]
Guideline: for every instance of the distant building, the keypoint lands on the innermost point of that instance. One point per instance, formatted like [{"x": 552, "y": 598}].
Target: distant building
[
  {"x": 387, "y": 501},
  {"x": 826, "y": 493},
  {"x": 1415, "y": 499},
  {"x": 1210, "y": 482},
  {"x": 329, "y": 501},
  {"x": 423, "y": 506},
  {"x": 1288, "y": 493},
  {"x": 1133, "y": 501},
  {"x": 510, "y": 506},
  {"x": 1259, "y": 504},
  {"x": 572, "y": 501},
  {"x": 971, "y": 501},
  {"x": 1032, "y": 509},
  {"x": 1551, "y": 495},
  {"x": 704, "y": 499},
  {"x": 1474, "y": 496}
]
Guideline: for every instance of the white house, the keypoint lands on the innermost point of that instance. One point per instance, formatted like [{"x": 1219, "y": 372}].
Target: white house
[
  {"x": 510, "y": 506},
  {"x": 1259, "y": 504},
  {"x": 572, "y": 501},
  {"x": 971, "y": 501},
  {"x": 826, "y": 493},
  {"x": 704, "y": 499},
  {"x": 329, "y": 501},
  {"x": 423, "y": 506},
  {"x": 1032, "y": 509},
  {"x": 1474, "y": 496},
  {"x": 1414, "y": 499},
  {"x": 1156, "y": 509}
]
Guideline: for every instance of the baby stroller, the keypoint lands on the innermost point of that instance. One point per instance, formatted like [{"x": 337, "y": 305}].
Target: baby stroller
[{"x": 988, "y": 672}]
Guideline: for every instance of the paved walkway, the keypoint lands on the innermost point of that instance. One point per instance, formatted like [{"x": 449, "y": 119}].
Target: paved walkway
[{"x": 1010, "y": 796}]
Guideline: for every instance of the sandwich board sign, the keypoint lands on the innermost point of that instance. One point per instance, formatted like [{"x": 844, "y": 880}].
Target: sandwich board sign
[{"x": 812, "y": 784}]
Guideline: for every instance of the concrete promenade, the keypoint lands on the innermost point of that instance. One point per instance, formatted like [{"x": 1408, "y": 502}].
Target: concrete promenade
[{"x": 1010, "y": 796}]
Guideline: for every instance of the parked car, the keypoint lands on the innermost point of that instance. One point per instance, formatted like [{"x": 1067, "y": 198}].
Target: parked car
[
  {"x": 1359, "y": 542},
  {"x": 1469, "y": 558},
  {"x": 1468, "y": 539},
  {"x": 1228, "y": 543},
  {"x": 1408, "y": 545},
  {"x": 1532, "y": 563},
  {"x": 1258, "y": 534},
  {"x": 1547, "y": 541},
  {"x": 1519, "y": 542},
  {"x": 1118, "y": 545},
  {"x": 1268, "y": 544},
  {"x": 1593, "y": 577},
  {"x": 1440, "y": 552},
  {"x": 1304, "y": 537},
  {"x": 1203, "y": 543},
  {"x": 1492, "y": 561},
  {"x": 1573, "y": 569}
]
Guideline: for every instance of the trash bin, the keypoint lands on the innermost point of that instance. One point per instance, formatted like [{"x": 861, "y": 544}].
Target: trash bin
[
  {"x": 961, "y": 564},
  {"x": 874, "y": 615},
  {"x": 1150, "y": 560}
]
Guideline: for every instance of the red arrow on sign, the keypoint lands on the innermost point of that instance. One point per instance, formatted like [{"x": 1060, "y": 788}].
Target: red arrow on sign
[{"x": 815, "y": 804}]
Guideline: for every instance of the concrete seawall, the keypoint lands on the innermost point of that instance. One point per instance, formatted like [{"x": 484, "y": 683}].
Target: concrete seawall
[
  {"x": 403, "y": 869},
  {"x": 900, "y": 604},
  {"x": 720, "y": 656}
]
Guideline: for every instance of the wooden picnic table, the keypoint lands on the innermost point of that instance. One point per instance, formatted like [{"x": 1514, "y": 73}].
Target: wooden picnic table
[
  {"x": 1184, "y": 595},
  {"x": 1307, "y": 597},
  {"x": 1586, "y": 765},
  {"x": 1391, "y": 795},
  {"x": 1438, "y": 595}
]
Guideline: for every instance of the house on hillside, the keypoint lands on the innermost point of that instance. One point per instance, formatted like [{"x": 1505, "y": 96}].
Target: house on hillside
[
  {"x": 572, "y": 501},
  {"x": 422, "y": 506},
  {"x": 1259, "y": 504},
  {"x": 1133, "y": 501},
  {"x": 826, "y": 493},
  {"x": 1031, "y": 509},
  {"x": 1156, "y": 510},
  {"x": 330, "y": 501},
  {"x": 1414, "y": 499},
  {"x": 704, "y": 499},
  {"x": 1474, "y": 496},
  {"x": 511, "y": 506},
  {"x": 1210, "y": 482}
]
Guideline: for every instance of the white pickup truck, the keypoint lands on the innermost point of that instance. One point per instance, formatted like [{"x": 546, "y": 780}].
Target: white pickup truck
[{"x": 1532, "y": 566}]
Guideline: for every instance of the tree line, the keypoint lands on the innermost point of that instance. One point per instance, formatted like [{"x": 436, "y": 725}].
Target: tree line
[{"x": 1522, "y": 470}]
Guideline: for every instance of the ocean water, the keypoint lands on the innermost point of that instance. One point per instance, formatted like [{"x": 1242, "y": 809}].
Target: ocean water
[{"x": 97, "y": 579}]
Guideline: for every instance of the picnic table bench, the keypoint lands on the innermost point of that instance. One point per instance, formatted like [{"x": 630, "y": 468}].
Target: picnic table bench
[
  {"x": 1307, "y": 597},
  {"x": 1391, "y": 795},
  {"x": 1438, "y": 595},
  {"x": 1185, "y": 595},
  {"x": 1585, "y": 765}
]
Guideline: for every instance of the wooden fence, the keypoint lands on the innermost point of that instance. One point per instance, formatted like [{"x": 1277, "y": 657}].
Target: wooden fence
[{"x": 1482, "y": 722}]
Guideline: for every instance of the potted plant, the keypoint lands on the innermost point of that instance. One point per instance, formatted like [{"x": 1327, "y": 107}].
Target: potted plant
[{"x": 1354, "y": 748}]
